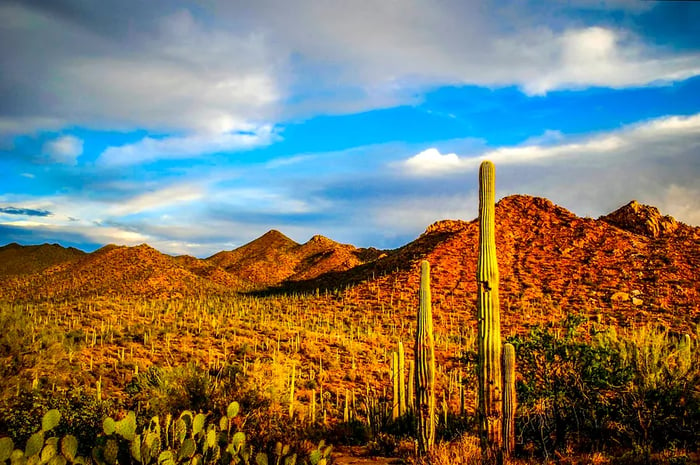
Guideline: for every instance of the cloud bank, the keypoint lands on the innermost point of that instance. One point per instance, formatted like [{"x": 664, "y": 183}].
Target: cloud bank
[
  {"x": 634, "y": 139},
  {"x": 224, "y": 67}
]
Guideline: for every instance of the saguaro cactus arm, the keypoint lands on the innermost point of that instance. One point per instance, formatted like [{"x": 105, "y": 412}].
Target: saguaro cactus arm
[{"x": 509, "y": 399}]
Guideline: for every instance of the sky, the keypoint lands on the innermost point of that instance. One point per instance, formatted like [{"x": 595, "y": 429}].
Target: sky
[{"x": 196, "y": 127}]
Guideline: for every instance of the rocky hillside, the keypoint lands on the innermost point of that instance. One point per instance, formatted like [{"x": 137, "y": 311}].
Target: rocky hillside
[
  {"x": 629, "y": 266},
  {"x": 39, "y": 272},
  {"x": 274, "y": 258},
  {"x": 16, "y": 259},
  {"x": 139, "y": 271},
  {"x": 632, "y": 266}
]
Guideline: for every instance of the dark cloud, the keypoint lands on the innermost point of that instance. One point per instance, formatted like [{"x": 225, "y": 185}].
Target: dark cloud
[
  {"x": 175, "y": 66},
  {"x": 112, "y": 19},
  {"x": 24, "y": 211},
  {"x": 672, "y": 24}
]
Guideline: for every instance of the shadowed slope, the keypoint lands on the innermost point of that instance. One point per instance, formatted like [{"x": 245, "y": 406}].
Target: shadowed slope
[
  {"x": 113, "y": 270},
  {"x": 17, "y": 259}
]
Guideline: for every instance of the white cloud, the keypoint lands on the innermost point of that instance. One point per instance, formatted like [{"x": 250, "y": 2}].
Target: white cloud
[
  {"x": 190, "y": 146},
  {"x": 630, "y": 139},
  {"x": 64, "y": 149},
  {"x": 173, "y": 218},
  {"x": 170, "y": 197},
  {"x": 260, "y": 200},
  {"x": 549, "y": 137},
  {"x": 597, "y": 56},
  {"x": 654, "y": 162},
  {"x": 431, "y": 161},
  {"x": 394, "y": 52}
]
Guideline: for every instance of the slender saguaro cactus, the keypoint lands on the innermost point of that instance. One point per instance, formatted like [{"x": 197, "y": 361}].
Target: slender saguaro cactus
[
  {"x": 395, "y": 402},
  {"x": 410, "y": 398},
  {"x": 398, "y": 377},
  {"x": 291, "y": 394},
  {"x": 402, "y": 381},
  {"x": 509, "y": 399},
  {"x": 488, "y": 320},
  {"x": 313, "y": 406},
  {"x": 425, "y": 365}
]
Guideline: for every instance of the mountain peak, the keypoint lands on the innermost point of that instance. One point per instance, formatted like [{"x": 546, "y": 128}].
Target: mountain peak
[
  {"x": 274, "y": 237},
  {"x": 445, "y": 226},
  {"x": 527, "y": 206},
  {"x": 641, "y": 219},
  {"x": 319, "y": 239}
]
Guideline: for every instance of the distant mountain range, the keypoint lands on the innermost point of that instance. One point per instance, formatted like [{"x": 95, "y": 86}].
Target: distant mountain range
[{"x": 634, "y": 265}]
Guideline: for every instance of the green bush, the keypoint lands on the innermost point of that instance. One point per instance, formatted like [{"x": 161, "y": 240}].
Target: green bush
[
  {"x": 598, "y": 390},
  {"x": 82, "y": 415}
]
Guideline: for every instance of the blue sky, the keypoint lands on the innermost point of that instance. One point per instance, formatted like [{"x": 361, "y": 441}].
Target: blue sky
[{"x": 198, "y": 126}]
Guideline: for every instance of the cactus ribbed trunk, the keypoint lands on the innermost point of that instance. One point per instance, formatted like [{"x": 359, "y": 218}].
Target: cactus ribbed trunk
[
  {"x": 313, "y": 406},
  {"x": 425, "y": 365},
  {"x": 509, "y": 399},
  {"x": 402, "y": 381},
  {"x": 395, "y": 386},
  {"x": 410, "y": 398},
  {"x": 488, "y": 320},
  {"x": 291, "y": 394}
]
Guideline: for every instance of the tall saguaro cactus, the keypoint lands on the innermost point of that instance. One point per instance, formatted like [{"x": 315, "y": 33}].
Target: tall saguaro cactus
[
  {"x": 425, "y": 365},
  {"x": 509, "y": 400},
  {"x": 488, "y": 320}
]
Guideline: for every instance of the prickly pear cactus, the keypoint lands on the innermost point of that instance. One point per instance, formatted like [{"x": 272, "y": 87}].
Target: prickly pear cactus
[
  {"x": 69, "y": 447},
  {"x": 6, "y": 448},
  {"x": 188, "y": 440},
  {"x": 126, "y": 427},
  {"x": 50, "y": 420}
]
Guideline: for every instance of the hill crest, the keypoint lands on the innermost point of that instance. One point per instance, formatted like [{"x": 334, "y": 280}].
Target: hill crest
[{"x": 550, "y": 261}]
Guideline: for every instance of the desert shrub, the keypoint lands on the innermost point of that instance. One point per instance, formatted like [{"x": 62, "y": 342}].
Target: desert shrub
[
  {"x": 661, "y": 404},
  {"x": 566, "y": 388},
  {"x": 191, "y": 387},
  {"x": 82, "y": 414},
  {"x": 599, "y": 390},
  {"x": 187, "y": 387},
  {"x": 462, "y": 451}
]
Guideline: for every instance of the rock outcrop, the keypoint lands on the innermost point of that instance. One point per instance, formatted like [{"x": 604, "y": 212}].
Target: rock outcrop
[{"x": 642, "y": 219}]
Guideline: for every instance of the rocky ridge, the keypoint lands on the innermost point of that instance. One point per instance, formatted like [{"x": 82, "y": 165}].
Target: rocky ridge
[
  {"x": 16, "y": 259},
  {"x": 633, "y": 266}
]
